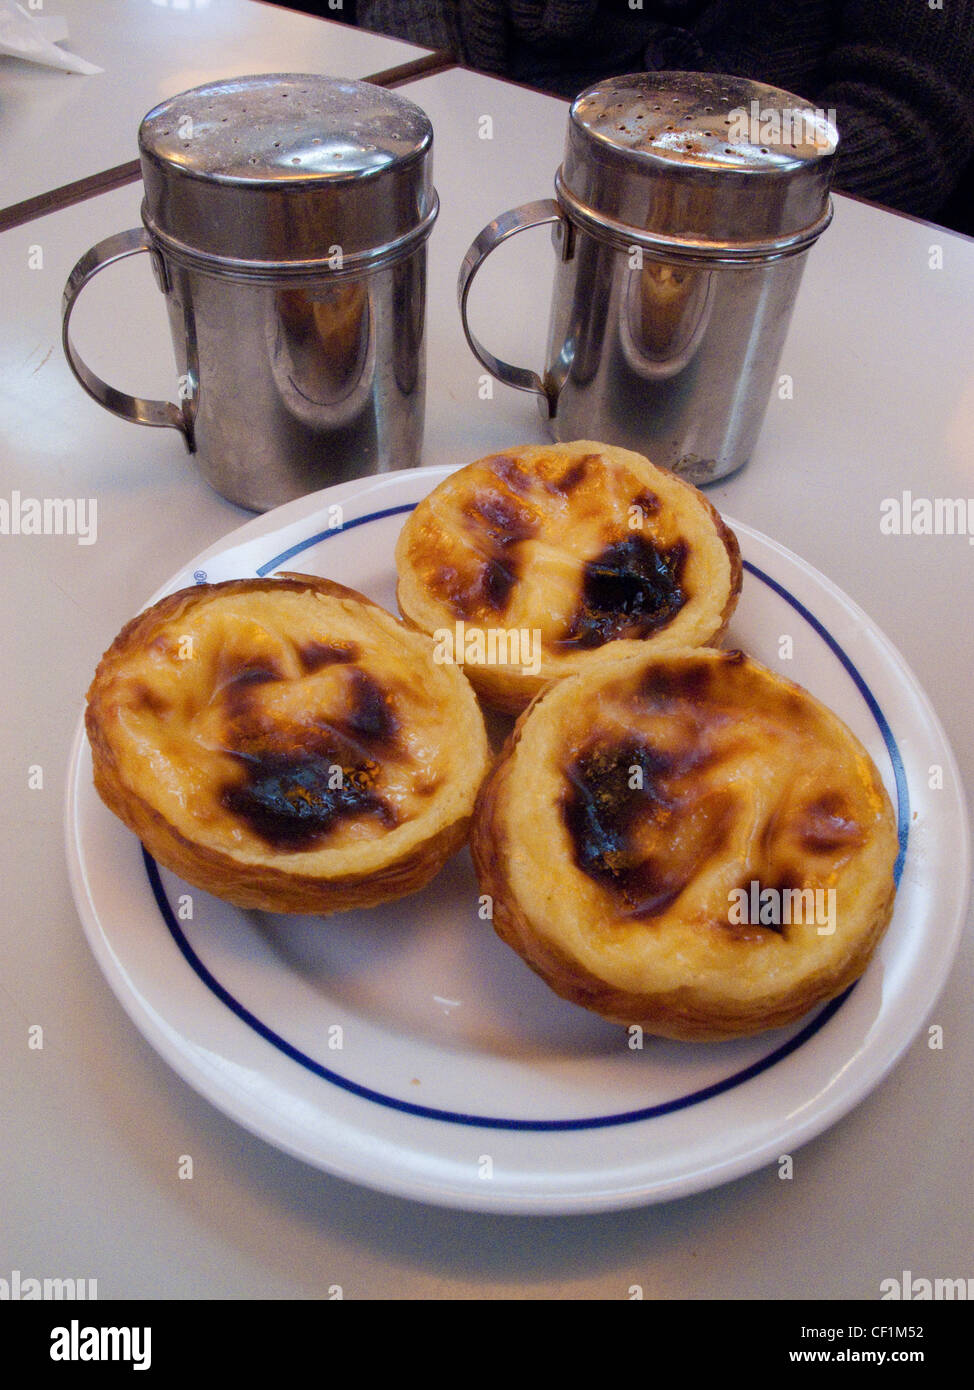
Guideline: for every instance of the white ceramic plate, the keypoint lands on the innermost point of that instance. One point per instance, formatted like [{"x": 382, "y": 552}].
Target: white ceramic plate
[{"x": 408, "y": 1049}]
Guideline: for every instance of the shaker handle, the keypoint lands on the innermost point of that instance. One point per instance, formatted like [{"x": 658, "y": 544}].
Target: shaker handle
[
  {"x": 142, "y": 412},
  {"x": 507, "y": 225}
]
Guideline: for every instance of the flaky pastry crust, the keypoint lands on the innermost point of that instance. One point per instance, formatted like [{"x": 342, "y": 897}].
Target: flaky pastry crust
[
  {"x": 690, "y": 843},
  {"x": 286, "y": 744},
  {"x": 574, "y": 554}
]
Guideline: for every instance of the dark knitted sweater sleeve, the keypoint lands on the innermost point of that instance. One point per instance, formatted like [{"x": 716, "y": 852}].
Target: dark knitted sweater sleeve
[
  {"x": 898, "y": 73},
  {"x": 901, "y": 81}
]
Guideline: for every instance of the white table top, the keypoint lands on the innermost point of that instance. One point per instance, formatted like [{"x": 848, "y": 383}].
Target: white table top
[
  {"x": 879, "y": 351},
  {"x": 56, "y": 127}
]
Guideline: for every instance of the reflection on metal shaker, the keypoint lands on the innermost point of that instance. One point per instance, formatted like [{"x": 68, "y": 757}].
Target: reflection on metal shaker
[
  {"x": 666, "y": 314},
  {"x": 321, "y": 351}
]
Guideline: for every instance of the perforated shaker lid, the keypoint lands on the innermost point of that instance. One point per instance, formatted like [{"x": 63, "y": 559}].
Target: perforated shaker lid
[
  {"x": 278, "y": 170},
  {"x": 718, "y": 166}
]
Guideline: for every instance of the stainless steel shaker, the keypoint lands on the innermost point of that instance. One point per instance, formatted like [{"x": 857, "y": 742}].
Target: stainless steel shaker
[
  {"x": 684, "y": 209},
  {"x": 286, "y": 218}
]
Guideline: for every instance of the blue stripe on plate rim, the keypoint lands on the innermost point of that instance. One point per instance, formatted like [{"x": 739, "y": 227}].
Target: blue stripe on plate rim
[{"x": 650, "y": 1112}]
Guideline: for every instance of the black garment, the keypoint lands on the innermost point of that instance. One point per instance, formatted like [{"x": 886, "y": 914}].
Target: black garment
[{"x": 899, "y": 74}]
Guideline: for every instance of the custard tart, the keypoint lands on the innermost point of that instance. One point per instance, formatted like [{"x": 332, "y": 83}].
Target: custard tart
[
  {"x": 687, "y": 842},
  {"x": 543, "y": 561},
  {"x": 286, "y": 744}
]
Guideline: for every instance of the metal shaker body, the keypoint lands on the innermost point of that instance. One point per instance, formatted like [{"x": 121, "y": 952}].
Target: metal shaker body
[
  {"x": 286, "y": 217},
  {"x": 681, "y": 244},
  {"x": 667, "y": 359},
  {"x": 291, "y": 388}
]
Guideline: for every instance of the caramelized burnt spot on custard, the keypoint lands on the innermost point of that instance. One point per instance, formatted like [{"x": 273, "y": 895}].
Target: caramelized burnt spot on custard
[
  {"x": 638, "y": 827},
  {"x": 632, "y": 589},
  {"x": 578, "y": 471},
  {"x": 648, "y": 814},
  {"x": 661, "y": 685},
  {"x": 293, "y": 800},
  {"x": 712, "y": 687},
  {"x": 145, "y": 700},
  {"x": 510, "y": 472},
  {"x": 236, "y": 677},
  {"x": 299, "y": 782},
  {"x": 314, "y": 655},
  {"x": 763, "y": 904},
  {"x": 827, "y": 825},
  {"x": 370, "y": 719},
  {"x": 646, "y": 503},
  {"x": 544, "y": 474},
  {"x": 477, "y": 580}
]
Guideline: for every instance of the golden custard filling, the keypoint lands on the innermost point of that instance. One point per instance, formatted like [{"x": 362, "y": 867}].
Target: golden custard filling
[
  {"x": 281, "y": 721},
  {"x": 690, "y": 842},
  {"x": 682, "y": 804},
  {"x": 577, "y": 545}
]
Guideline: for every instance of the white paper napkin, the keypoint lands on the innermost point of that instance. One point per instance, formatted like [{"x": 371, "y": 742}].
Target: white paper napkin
[{"x": 36, "y": 38}]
